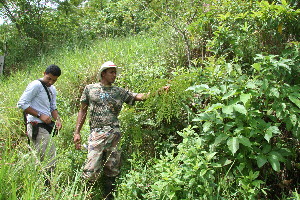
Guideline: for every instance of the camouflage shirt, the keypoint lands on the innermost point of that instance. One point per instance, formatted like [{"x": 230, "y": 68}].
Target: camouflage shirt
[{"x": 105, "y": 103}]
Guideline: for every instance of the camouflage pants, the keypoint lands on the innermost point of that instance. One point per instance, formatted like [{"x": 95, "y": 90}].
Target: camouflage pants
[
  {"x": 43, "y": 146},
  {"x": 102, "y": 141}
]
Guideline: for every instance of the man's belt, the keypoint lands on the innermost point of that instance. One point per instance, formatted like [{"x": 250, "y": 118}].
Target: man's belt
[{"x": 48, "y": 127}]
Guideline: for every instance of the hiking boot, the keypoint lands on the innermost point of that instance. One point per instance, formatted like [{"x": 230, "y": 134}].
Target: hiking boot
[{"x": 109, "y": 186}]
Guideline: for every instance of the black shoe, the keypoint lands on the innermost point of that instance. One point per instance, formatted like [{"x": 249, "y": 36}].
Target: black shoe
[
  {"x": 109, "y": 186},
  {"x": 47, "y": 182}
]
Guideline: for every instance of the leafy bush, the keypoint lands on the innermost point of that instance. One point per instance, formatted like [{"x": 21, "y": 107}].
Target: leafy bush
[{"x": 254, "y": 121}]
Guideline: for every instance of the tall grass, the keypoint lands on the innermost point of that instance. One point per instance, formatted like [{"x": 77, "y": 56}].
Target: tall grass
[{"x": 20, "y": 176}]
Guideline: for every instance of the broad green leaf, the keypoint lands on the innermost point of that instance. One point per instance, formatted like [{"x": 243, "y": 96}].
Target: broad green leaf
[
  {"x": 277, "y": 155},
  {"x": 209, "y": 156},
  {"x": 267, "y": 148},
  {"x": 261, "y": 160},
  {"x": 223, "y": 88},
  {"x": 245, "y": 141},
  {"x": 265, "y": 85},
  {"x": 227, "y": 162},
  {"x": 229, "y": 94},
  {"x": 284, "y": 2},
  {"x": 240, "y": 108},
  {"x": 215, "y": 90},
  {"x": 228, "y": 126},
  {"x": 203, "y": 172},
  {"x": 216, "y": 164},
  {"x": 159, "y": 185},
  {"x": 245, "y": 98},
  {"x": 241, "y": 166},
  {"x": 257, "y": 66},
  {"x": 215, "y": 107},
  {"x": 204, "y": 116},
  {"x": 295, "y": 100},
  {"x": 254, "y": 175},
  {"x": 251, "y": 85},
  {"x": 293, "y": 119},
  {"x": 238, "y": 130},
  {"x": 172, "y": 194},
  {"x": 228, "y": 68},
  {"x": 233, "y": 144},
  {"x": 268, "y": 135},
  {"x": 272, "y": 130},
  {"x": 274, "y": 162},
  {"x": 257, "y": 183},
  {"x": 284, "y": 65},
  {"x": 220, "y": 138},
  {"x": 197, "y": 119},
  {"x": 198, "y": 88},
  {"x": 206, "y": 126},
  {"x": 224, "y": 161},
  {"x": 274, "y": 92},
  {"x": 238, "y": 68},
  {"x": 227, "y": 109}
]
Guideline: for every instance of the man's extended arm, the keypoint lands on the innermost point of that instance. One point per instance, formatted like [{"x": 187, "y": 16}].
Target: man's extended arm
[
  {"x": 144, "y": 96},
  {"x": 79, "y": 123}
]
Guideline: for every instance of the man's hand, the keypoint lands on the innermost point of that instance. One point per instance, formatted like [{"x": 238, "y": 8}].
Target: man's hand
[
  {"x": 58, "y": 124},
  {"x": 45, "y": 118},
  {"x": 77, "y": 141}
]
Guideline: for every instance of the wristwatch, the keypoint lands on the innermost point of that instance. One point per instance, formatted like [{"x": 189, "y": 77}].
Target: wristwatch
[{"x": 38, "y": 115}]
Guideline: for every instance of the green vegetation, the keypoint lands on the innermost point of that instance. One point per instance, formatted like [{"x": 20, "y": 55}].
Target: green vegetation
[{"x": 227, "y": 129}]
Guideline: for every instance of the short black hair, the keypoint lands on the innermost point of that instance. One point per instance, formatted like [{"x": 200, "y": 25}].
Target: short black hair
[{"x": 54, "y": 70}]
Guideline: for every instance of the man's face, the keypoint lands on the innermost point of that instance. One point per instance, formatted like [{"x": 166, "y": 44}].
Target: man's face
[
  {"x": 49, "y": 79},
  {"x": 109, "y": 75}
]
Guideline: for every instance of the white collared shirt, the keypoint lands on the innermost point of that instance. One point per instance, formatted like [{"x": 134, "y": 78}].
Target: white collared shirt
[{"x": 35, "y": 96}]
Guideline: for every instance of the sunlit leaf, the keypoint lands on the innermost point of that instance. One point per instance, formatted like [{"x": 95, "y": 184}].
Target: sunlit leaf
[
  {"x": 228, "y": 68},
  {"x": 268, "y": 135},
  {"x": 206, "y": 126},
  {"x": 215, "y": 107},
  {"x": 233, "y": 144},
  {"x": 227, "y": 162},
  {"x": 209, "y": 156},
  {"x": 240, "y": 108},
  {"x": 220, "y": 138},
  {"x": 198, "y": 88},
  {"x": 229, "y": 94},
  {"x": 251, "y": 85},
  {"x": 257, "y": 66},
  {"x": 274, "y": 92},
  {"x": 272, "y": 130},
  {"x": 227, "y": 109},
  {"x": 245, "y": 98},
  {"x": 274, "y": 162},
  {"x": 203, "y": 172},
  {"x": 277, "y": 155},
  {"x": 283, "y": 2},
  {"x": 295, "y": 100}
]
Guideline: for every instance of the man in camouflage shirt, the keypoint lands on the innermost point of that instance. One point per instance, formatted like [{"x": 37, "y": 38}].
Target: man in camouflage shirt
[{"x": 105, "y": 103}]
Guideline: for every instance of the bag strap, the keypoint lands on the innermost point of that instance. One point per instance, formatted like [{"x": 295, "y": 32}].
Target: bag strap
[
  {"x": 25, "y": 124},
  {"x": 45, "y": 87}
]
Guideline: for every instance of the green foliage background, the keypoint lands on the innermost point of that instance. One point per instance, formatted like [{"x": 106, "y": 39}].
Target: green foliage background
[{"x": 227, "y": 129}]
